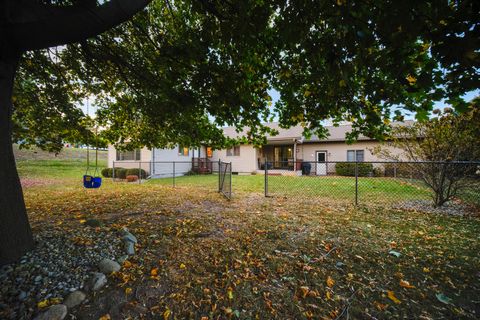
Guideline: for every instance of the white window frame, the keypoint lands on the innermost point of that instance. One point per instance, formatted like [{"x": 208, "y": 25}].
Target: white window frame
[
  {"x": 120, "y": 155},
  {"x": 356, "y": 154}
]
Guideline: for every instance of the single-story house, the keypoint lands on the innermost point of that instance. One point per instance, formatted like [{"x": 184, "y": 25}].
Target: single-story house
[{"x": 283, "y": 152}]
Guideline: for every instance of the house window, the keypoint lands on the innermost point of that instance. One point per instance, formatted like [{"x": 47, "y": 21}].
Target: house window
[
  {"x": 355, "y": 155},
  {"x": 235, "y": 151},
  {"x": 183, "y": 151},
  {"x": 133, "y": 155},
  {"x": 209, "y": 152}
]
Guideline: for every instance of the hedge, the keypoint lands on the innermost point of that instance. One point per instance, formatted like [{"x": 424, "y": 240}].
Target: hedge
[
  {"x": 142, "y": 174},
  {"x": 348, "y": 169},
  {"x": 107, "y": 172}
]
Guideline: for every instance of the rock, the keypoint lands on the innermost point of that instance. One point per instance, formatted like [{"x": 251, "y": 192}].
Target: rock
[
  {"x": 108, "y": 266},
  {"x": 127, "y": 236},
  {"x": 74, "y": 299},
  {"x": 97, "y": 281},
  {"x": 55, "y": 312},
  {"x": 129, "y": 248},
  {"x": 22, "y": 296}
]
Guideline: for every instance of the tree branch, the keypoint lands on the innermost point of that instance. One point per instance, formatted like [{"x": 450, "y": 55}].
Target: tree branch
[{"x": 36, "y": 26}]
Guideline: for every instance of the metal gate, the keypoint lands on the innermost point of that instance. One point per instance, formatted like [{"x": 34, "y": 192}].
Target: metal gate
[{"x": 225, "y": 179}]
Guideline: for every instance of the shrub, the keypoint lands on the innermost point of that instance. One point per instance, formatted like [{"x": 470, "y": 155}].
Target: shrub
[
  {"x": 132, "y": 178},
  {"x": 348, "y": 169},
  {"x": 107, "y": 172},
  {"x": 378, "y": 172},
  {"x": 140, "y": 173},
  {"x": 120, "y": 173}
]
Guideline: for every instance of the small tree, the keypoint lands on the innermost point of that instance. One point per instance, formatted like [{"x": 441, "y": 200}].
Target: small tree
[{"x": 436, "y": 146}]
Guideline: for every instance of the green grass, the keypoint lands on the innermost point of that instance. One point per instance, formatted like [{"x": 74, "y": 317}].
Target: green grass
[
  {"x": 71, "y": 163},
  {"x": 371, "y": 190}
]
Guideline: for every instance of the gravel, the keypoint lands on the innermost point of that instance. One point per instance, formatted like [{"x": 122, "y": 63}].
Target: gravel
[
  {"x": 60, "y": 263},
  {"x": 449, "y": 208}
]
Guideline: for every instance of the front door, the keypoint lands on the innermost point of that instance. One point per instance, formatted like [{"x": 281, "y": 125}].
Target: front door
[{"x": 321, "y": 163}]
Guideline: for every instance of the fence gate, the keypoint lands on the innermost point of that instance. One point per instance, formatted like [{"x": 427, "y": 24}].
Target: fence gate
[{"x": 225, "y": 179}]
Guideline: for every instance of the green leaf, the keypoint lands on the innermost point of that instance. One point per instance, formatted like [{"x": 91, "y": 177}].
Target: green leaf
[{"x": 443, "y": 298}]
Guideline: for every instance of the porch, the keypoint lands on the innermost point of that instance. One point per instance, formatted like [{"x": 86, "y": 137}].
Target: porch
[{"x": 279, "y": 156}]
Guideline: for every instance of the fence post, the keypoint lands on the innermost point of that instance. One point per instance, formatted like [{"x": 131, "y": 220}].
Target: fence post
[
  {"x": 219, "y": 175},
  {"x": 113, "y": 171},
  {"x": 356, "y": 183},
  {"x": 139, "y": 172},
  {"x": 173, "y": 174},
  {"x": 231, "y": 177},
  {"x": 394, "y": 169},
  {"x": 265, "y": 167}
]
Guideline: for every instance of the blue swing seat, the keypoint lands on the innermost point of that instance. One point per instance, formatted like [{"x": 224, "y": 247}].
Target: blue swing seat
[{"x": 91, "y": 182}]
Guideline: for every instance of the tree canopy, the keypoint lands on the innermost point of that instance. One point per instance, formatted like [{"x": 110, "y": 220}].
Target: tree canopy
[{"x": 180, "y": 69}]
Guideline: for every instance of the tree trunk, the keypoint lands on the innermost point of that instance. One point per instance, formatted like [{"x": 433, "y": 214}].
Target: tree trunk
[{"x": 15, "y": 233}]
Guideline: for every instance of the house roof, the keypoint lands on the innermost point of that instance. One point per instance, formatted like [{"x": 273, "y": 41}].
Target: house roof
[{"x": 336, "y": 133}]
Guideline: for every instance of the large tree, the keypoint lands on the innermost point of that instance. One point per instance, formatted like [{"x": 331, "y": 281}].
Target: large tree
[
  {"x": 30, "y": 25},
  {"x": 180, "y": 69}
]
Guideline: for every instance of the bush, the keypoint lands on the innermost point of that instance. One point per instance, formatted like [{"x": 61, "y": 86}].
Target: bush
[
  {"x": 120, "y": 173},
  {"x": 107, "y": 172},
  {"x": 348, "y": 169},
  {"x": 378, "y": 172},
  {"x": 140, "y": 173},
  {"x": 132, "y": 178}
]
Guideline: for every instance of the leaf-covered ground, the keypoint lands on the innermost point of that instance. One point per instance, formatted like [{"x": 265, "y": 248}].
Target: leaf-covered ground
[{"x": 202, "y": 256}]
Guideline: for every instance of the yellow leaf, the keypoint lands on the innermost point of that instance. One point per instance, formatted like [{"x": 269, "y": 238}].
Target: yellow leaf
[
  {"x": 166, "y": 314},
  {"x": 43, "y": 304},
  {"x": 426, "y": 270},
  {"x": 391, "y": 296},
  {"x": 411, "y": 79},
  {"x": 127, "y": 264},
  {"x": 82, "y": 221},
  {"x": 328, "y": 295},
  {"x": 105, "y": 317},
  {"x": 304, "y": 291},
  {"x": 406, "y": 284},
  {"x": 182, "y": 266},
  {"x": 128, "y": 291},
  {"x": 154, "y": 272},
  {"x": 342, "y": 83},
  {"x": 230, "y": 293},
  {"x": 330, "y": 282},
  {"x": 307, "y": 93}
]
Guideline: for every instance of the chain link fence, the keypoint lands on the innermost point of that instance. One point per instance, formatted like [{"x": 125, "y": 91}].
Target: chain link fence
[
  {"x": 408, "y": 185},
  {"x": 199, "y": 173},
  {"x": 225, "y": 179}
]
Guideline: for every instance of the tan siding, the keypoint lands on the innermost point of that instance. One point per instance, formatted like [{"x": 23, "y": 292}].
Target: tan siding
[
  {"x": 145, "y": 158},
  {"x": 246, "y": 162}
]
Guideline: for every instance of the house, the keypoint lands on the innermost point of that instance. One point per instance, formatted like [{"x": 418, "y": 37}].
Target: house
[
  {"x": 159, "y": 162},
  {"x": 283, "y": 152},
  {"x": 287, "y": 150}
]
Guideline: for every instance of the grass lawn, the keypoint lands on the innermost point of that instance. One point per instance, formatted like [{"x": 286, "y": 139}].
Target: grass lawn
[
  {"x": 371, "y": 190},
  {"x": 204, "y": 257}
]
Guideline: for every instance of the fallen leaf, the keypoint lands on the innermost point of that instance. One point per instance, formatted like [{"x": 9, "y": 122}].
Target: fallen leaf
[
  {"x": 330, "y": 282},
  {"x": 154, "y": 272},
  {"x": 230, "y": 293},
  {"x": 105, "y": 317},
  {"x": 304, "y": 291},
  {"x": 391, "y": 296},
  {"x": 166, "y": 314},
  {"x": 182, "y": 266},
  {"x": 42, "y": 304},
  {"x": 443, "y": 298},
  {"x": 394, "y": 253},
  {"x": 128, "y": 291},
  {"x": 406, "y": 284}
]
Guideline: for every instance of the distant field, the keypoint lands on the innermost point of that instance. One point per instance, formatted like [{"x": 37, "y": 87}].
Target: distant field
[{"x": 70, "y": 163}]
